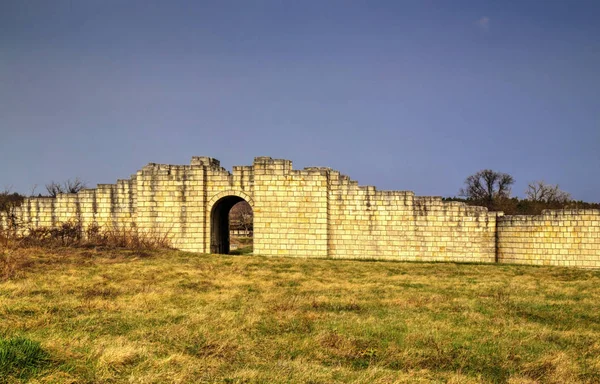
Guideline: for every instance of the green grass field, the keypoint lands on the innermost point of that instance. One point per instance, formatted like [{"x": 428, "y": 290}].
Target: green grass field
[{"x": 88, "y": 316}]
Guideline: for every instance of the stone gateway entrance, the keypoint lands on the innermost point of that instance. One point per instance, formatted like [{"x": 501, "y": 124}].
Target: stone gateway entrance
[
  {"x": 313, "y": 212},
  {"x": 219, "y": 224}
]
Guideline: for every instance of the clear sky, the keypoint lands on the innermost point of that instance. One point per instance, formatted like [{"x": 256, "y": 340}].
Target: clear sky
[{"x": 402, "y": 94}]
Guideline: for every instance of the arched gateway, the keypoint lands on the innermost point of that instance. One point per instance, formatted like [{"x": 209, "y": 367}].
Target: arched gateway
[
  {"x": 314, "y": 212},
  {"x": 218, "y": 219}
]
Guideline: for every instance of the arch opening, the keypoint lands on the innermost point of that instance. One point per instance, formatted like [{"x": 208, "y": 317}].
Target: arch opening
[{"x": 228, "y": 223}]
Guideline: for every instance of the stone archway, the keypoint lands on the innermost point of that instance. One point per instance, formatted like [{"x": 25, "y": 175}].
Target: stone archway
[{"x": 219, "y": 208}]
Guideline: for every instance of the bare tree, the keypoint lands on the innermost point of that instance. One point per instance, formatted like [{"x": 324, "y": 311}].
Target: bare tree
[
  {"x": 487, "y": 185},
  {"x": 53, "y": 188},
  {"x": 241, "y": 216},
  {"x": 32, "y": 192},
  {"x": 70, "y": 186},
  {"x": 9, "y": 199},
  {"x": 74, "y": 186},
  {"x": 548, "y": 193},
  {"x": 8, "y": 202}
]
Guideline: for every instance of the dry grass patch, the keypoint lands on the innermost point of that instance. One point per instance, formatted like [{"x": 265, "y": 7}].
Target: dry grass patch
[{"x": 166, "y": 316}]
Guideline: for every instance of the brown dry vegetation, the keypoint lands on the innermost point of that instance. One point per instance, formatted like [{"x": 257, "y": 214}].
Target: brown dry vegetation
[{"x": 110, "y": 315}]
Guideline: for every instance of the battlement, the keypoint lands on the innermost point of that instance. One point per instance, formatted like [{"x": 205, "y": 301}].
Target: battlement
[{"x": 205, "y": 161}]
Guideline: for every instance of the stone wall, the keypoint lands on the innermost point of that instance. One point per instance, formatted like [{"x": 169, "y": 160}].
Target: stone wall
[
  {"x": 290, "y": 209},
  {"x": 397, "y": 225},
  {"x": 314, "y": 212},
  {"x": 557, "y": 237}
]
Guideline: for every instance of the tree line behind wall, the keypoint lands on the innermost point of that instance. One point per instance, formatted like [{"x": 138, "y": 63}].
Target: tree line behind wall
[
  {"x": 487, "y": 188},
  {"x": 492, "y": 189},
  {"x": 9, "y": 200}
]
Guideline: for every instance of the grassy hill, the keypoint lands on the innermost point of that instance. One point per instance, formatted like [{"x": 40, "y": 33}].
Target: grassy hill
[{"x": 89, "y": 315}]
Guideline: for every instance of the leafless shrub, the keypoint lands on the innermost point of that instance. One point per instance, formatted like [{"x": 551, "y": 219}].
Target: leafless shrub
[
  {"x": 133, "y": 238},
  {"x": 70, "y": 186},
  {"x": 73, "y": 234},
  {"x": 547, "y": 193}
]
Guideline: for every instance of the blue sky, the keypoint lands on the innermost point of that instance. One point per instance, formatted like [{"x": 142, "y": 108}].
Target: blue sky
[{"x": 407, "y": 95}]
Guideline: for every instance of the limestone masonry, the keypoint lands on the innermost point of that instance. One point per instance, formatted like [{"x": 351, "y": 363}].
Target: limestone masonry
[{"x": 315, "y": 212}]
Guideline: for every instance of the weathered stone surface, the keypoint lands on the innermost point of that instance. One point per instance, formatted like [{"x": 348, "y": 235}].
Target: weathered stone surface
[{"x": 317, "y": 212}]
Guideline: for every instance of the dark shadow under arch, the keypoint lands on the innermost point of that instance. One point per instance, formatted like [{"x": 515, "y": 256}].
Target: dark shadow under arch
[{"x": 219, "y": 224}]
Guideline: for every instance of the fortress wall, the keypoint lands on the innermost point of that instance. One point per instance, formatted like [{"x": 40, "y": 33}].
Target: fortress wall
[
  {"x": 165, "y": 204},
  {"x": 89, "y": 207},
  {"x": 24, "y": 216},
  {"x": 172, "y": 200},
  {"x": 124, "y": 210},
  {"x": 243, "y": 178},
  {"x": 451, "y": 231},
  {"x": 66, "y": 208},
  {"x": 105, "y": 206},
  {"x": 218, "y": 179},
  {"x": 221, "y": 183},
  {"x": 42, "y": 211},
  {"x": 290, "y": 212},
  {"x": 556, "y": 237},
  {"x": 108, "y": 206},
  {"x": 159, "y": 200},
  {"x": 366, "y": 223},
  {"x": 193, "y": 199},
  {"x": 396, "y": 225},
  {"x": 316, "y": 212},
  {"x": 189, "y": 209},
  {"x": 37, "y": 212},
  {"x": 34, "y": 212}
]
